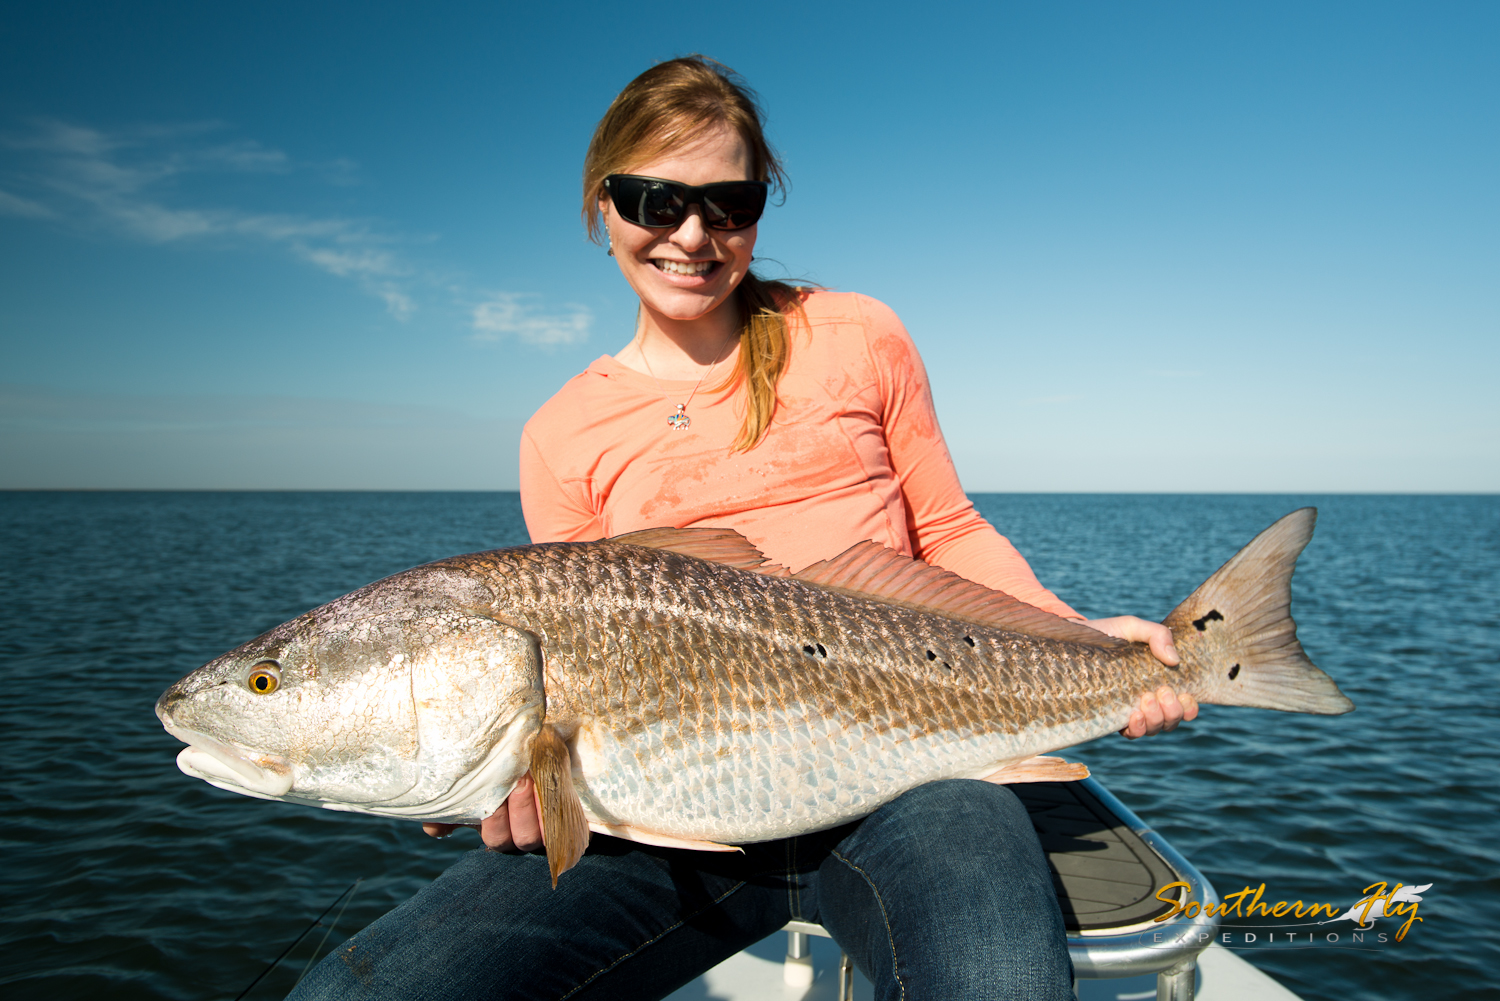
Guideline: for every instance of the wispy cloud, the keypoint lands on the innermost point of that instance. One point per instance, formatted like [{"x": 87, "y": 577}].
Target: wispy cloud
[
  {"x": 147, "y": 184},
  {"x": 24, "y": 207},
  {"x": 509, "y": 314},
  {"x": 131, "y": 181}
]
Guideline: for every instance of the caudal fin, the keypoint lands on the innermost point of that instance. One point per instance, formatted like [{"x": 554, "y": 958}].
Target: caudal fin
[{"x": 1236, "y": 631}]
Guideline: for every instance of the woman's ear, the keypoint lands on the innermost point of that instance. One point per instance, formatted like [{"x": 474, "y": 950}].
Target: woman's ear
[{"x": 604, "y": 218}]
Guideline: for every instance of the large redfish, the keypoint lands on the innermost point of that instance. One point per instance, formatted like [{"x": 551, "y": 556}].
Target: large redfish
[{"x": 670, "y": 687}]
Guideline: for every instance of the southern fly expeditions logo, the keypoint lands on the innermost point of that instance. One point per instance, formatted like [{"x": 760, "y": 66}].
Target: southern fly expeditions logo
[{"x": 1398, "y": 903}]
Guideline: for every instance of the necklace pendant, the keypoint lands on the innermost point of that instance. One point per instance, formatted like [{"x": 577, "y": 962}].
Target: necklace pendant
[{"x": 680, "y": 421}]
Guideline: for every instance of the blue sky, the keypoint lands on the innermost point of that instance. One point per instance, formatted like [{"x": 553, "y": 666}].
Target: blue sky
[{"x": 1179, "y": 247}]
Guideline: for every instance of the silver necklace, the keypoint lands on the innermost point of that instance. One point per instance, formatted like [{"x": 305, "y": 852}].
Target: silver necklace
[{"x": 679, "y": 420}]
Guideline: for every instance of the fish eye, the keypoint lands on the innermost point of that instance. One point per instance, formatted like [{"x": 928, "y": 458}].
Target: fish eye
[{"x": 265, "y": 678}]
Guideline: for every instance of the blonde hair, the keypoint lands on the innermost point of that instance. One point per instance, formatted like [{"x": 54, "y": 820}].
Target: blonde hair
[{"x": 671, "y": 106}]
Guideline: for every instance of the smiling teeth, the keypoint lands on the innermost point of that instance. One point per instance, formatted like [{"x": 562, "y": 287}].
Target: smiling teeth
[{"x": 683, "y": 267}]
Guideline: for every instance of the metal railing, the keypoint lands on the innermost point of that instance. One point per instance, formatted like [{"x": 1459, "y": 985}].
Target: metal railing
[{"x": 1169, "y": 948}]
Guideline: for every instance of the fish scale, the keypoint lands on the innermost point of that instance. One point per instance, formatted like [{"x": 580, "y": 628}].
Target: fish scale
[
  {"x": 669, "y": 687},
  {"x": 877, "y": 711}
]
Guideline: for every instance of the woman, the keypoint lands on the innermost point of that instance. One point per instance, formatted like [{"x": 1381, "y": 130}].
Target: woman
[{"x": 817, "y": 432}]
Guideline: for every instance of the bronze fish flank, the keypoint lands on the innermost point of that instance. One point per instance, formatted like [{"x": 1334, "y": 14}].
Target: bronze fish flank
[{"x": 670, "y": 687}]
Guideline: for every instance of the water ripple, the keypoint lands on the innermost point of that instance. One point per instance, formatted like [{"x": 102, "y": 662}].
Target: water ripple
[{"x": 124, "y": 878}]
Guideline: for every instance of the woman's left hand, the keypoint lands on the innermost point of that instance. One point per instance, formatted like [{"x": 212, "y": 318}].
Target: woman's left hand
[{"x": 1162, "y": 709}]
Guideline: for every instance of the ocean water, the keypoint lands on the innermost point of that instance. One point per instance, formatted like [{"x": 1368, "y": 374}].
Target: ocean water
[{"x": 124, "y": 878}]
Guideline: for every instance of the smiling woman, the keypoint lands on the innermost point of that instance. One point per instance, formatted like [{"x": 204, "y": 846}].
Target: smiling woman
[
  {"x": 820, "y": 436},
  {"x": 685, "y": 271},
  {"x": 686, "y": 120}
]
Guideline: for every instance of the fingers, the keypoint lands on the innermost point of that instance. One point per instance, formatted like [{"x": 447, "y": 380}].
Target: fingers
[
  {"x": 1158, "y": 712},
  {"x": 1171, "y": 708},
  {"x": 1146, "y": 718},
  {"x": 1128, "y": 627},
  {"x": 494, "y": 831},
  {"x": 515, "y": 824},
  {"x": 1162, "y": 709},
  {"x": 526, "y": 815},
  {"x": 1159, "y": 637}
]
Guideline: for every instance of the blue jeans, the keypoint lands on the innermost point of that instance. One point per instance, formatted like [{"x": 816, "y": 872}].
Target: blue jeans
[{"x": 942, "y": 894}]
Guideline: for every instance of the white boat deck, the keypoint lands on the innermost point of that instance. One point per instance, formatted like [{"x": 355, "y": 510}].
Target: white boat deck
[{"x": 756, "y": 975}]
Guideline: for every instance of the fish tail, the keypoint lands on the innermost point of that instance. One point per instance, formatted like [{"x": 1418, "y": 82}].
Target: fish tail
[{"x": 1236, "y": 635}]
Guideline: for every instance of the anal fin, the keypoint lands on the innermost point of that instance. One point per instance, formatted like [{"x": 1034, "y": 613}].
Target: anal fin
[
  {"x": 565, "y": 830},
  {"x": 1039, "y": 769},
  {"x": 628, "y": 833}
]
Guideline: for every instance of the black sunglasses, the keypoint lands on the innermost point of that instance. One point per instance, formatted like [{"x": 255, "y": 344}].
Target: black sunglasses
[{"x": 660, "y": 204}]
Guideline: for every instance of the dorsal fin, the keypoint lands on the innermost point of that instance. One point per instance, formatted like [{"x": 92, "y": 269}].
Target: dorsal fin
[
  {"x": 716, "y": 545},
  {"x": 872, "y": 570}
]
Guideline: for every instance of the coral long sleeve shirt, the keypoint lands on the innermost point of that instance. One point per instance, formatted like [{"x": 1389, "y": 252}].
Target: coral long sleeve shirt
[{"x": 854, "y": 452}]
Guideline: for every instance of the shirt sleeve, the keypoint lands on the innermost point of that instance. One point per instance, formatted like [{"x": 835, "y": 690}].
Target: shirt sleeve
[
  {"x": 944, "y": 528},
  {"x": 555, "y": 511}
]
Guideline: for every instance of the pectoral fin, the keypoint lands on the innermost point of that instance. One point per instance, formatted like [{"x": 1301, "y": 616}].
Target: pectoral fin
[
  {"x": 565, "y": 830},
  {"x": 1039, "y": 769}
]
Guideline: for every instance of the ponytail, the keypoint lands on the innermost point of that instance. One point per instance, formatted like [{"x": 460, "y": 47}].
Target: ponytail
[{"x": 765, "y": 347}]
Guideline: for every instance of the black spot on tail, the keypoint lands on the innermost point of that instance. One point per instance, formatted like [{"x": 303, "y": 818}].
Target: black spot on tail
[
  {"x": 969, "y": 640},
  {"x": 821, "y": 651},
  {"x": 1234, "y": 672},
  {"x": 809, "y": 650},
  {"x": 1212, "y": 616},
  {"x": 931, "y": 655}
]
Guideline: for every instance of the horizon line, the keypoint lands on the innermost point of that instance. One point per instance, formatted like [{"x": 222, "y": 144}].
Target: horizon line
[{"x": 971, "y": 493}]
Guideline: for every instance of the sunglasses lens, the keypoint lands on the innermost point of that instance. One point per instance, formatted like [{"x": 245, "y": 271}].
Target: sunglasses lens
[
  {"x": 733, "y": 206},
  {"x": 660, "y": 204},
  {"x": 647, "y": 201}
]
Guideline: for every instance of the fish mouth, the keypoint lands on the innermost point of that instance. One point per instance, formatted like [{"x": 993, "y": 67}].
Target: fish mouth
[{"x": 236, "y": 769}]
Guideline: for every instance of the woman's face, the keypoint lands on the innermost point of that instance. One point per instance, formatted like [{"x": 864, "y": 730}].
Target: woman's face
[{"x": 686, "y": 272}]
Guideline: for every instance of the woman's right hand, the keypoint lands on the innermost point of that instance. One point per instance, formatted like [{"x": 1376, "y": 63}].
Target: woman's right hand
[{"x": 515, "y": 825}]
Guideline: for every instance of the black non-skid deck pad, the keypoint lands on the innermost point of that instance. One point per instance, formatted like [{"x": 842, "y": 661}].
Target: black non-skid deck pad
[{"x": 1106, "y": 876}]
